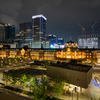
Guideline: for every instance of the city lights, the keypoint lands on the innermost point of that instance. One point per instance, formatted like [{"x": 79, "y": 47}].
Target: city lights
[{"x": 38, "y": 16}]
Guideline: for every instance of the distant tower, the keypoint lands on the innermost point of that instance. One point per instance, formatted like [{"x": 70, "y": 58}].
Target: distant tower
[
  {"x": 60, "y": 41},
  {"x": 70, "y": 38},
  {"x": 25, "y": 34},
  {"x": 2, "y": 32},
  {"x": 38, "y": 30},
  {"x": 9, "y": 32}
]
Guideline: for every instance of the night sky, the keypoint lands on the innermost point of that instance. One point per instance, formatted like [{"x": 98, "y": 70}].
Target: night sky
[{"x": 62, "y": 15}]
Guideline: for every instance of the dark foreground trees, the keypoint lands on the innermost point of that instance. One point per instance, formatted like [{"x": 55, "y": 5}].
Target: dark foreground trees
[{"x": 37, "y": 86}]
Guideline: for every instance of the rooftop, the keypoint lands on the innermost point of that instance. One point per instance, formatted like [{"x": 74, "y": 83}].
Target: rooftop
[{"x": 76, "y": 67}]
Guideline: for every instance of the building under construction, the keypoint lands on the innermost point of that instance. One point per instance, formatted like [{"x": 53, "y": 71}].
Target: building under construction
[{"x": 88, "y": 41}]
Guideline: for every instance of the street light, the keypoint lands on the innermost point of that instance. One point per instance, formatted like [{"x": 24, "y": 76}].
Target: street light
[{"x": 75, "y": 91}]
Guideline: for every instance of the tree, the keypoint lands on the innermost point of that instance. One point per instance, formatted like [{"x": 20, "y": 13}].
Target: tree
[
  {"x": 46, "y": 63},
  {"x": 10, "y": 61},
  {"x": 32, "y": 83},
  {"x": 16, "y": 60},
  {"x": 14, "y": 78},
  {"x": 6, "y": 77},
  {"x": 23, "y": 80},
  {"x": 73, "y": 61},
  {"x": 2, "y": 63},
  {"x": 39, "y": 89},
  {"x": 58, "y": 86},
  {"x": 94, "y": 60}
]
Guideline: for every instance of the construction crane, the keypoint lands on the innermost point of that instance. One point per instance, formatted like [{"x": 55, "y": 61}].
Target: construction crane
[
  {"x": 94, "y": 25},
  {"x": 83, "y": 29}
]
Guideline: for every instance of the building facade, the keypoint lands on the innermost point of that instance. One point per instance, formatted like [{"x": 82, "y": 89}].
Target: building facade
[
  {"x": 24, "y": 38},
  {"x": 60, "y": 41},
  {"x": 2, "y": 32},
  {"x": 66, "y": 54},
  {"x": 9, "y": 32},
  {"x": 39, "y": 23},
  {"x": 88, "y": 41},
  {"x": 76, "y": 74},
  {"x": 70, "y": 52}
]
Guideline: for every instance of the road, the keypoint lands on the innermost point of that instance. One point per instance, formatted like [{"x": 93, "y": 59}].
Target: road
[{"x": 9, "y": 95}]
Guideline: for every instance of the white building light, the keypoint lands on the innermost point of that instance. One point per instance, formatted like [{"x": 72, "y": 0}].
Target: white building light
[
  {"x": 38, "y": 16},
  {"x": 60, "y": 38}
]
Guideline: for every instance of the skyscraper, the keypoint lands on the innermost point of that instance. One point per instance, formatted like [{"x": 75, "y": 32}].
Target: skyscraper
[
  {"x": 52, "y": 39},
  {"x": 38, "y": 30},
  {"x": 9, "y": 32},
  {"x": 26, "y": 34},
  {"x": 60, "y": 41},
  {"x": 25, "y": 27},
  {"x": 2, "y": 32},
  {"x": 24, "y": 38}
]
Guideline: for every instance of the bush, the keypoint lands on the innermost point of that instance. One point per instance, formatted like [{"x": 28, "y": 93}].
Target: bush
[{"x": 52, "y": 98}]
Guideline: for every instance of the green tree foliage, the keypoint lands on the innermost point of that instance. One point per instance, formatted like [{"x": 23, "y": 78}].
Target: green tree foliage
[
  {"x": 14, "y": 78},
  {"x": 58, "y": 86},
  {"x": 6, "y": 77},
  {"x": 23, "y": 80},
  {"x": 46, "y": 63},
  {"x": 10, "y": 61},
  {"x": 39, "y": 89},
  {"x": 94, "y": 60},
  {"x": 1, "y": 63},
  {"x": 16, "y": 60},
  {"x": 32, "y": 83}
]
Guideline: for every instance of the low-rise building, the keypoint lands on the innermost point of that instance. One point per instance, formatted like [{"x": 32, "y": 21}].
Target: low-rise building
[{"x": 76, "y": 74}]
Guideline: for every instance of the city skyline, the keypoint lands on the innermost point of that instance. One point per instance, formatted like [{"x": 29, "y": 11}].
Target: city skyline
[{"x": 64, "y": 16}]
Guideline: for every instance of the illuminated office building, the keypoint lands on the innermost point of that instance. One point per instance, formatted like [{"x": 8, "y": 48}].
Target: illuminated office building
[
  {"x": 52, "y": 40},
  {"x": 25, "y": 35},
  {"x": 38, "y": 30},
  {"x": 88, "y": 41},
  {"x": 60, "y": 41},
  {"x": 25, "y": 27}
]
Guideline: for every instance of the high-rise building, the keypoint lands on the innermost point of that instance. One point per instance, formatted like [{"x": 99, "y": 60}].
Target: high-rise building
[
  {"x": 39, "y": 23},
  {"x": 9, "y": 32},
  {"x": 51, "y": 39},
  {"x": 88, "y": 41},
  {"x": 24, "y": 38},
  {"x": 60, "y": 41},
  {"x": 2, "y": 32},
  {"x": 25, "y": 27}
]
